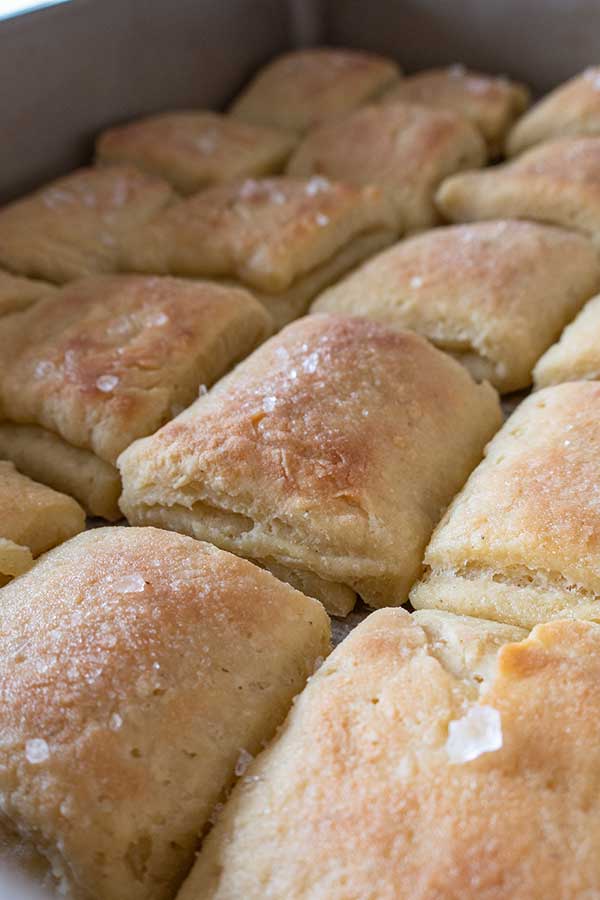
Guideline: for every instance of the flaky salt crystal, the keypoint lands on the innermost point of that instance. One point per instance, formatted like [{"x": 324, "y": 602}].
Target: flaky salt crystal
[
  {"x": 478, "y": 732},
  {"x": 416, "y": 281},
  {"x": 321, "y": 219},
  {"x": 202, "y": 390},
  {"x": 317, "y": 185},
  {"x": 106, "y": 383},
  {"x": 115, "y": 722},
  {"x": 269, "y": 404},
  {"x": 159, "y": 318},
  {"x": 44, "y": 367},
  {"x": 310, "y": 363},
  {"x": 243, "y": 761},
  {"x": 129, "y": 584},
  {"x": 248, "y": 189},
  {"x": 36, "y": 751}
]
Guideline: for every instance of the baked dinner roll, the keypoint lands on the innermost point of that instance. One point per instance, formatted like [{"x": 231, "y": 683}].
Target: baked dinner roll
[
  {"x": 74, "y": 226},
  {"x": 576, "y": 356},
  {"x": 196, "y": 148},
  {"x": 491, "y": 103},
  {"x": 140, "y": 671},
  {"x": 327, "y": 456},
  {"x": 407, "y": 150},
  {"x": 304, "y": 88},
  {"x": 284, "y": 238},
  {"x": 398, "y": 775},
  {"x": 571, "y": 109},
  {"x": 107, "y": 360},
  {"x": 520, "y": 543},
  {"x": 494, "y": 295},
  {"x": 33, "y": 518},
  {"x": 557, "y": 183},
  {"x": 18, "y": 293}
]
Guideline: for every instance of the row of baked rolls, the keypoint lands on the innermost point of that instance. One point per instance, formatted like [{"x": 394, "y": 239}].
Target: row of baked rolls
[
  {"x": 284, "y": 238},
  {"x": 430, "y": 756},
  {"x": 140, "y": 672}
]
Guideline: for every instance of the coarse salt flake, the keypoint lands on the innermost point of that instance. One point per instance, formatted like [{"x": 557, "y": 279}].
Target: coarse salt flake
[
  {"x": 106, "y": 383},
  {"x": 310, "y": 363},
  {"x": 243, "y": 761},
  {"x": 159, "y": 318},
  {"x": 269, "y": 404},
  {"x": 129, "y": 584},
  {"x": 317, "y": 185},
  {"x": 416, "y": 281},
  {"x": 478, "y": 732},
  {"x": 321, "y": 219},
  {"x": 36, "y": 751},
  {"x": 115, "y": 722}
]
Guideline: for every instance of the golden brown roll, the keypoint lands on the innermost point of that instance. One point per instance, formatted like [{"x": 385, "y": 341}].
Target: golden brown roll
[
  {"x": 140, "y": 671},
  {"x": 572, "y": 109},
  {"x": 490, "y": 102},
  {"x": 107, "y": 360},
  {"x": 33, "y": 518},
  {"x": 494, "y": 295},
  {"x": 284, "y": 238},
  {"x": 557, "y": 183},
  {"x": 401, "y": 772},
  {"x": 406, "y": 150},
  {"x": 74, "y": 226},
  {"x": 193, "y": 149},
  {"x": 576, "y": 356},
  {"x": 18, "y": 293},
  {"x": 327, "y": 456},
  {"x": 304, "y": 88},
  {"x": 520, "y": 543}
]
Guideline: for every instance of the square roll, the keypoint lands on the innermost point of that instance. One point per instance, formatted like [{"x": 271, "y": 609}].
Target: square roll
[
  {"x": 327, "y": 456},
  {"x": 557, "y": 183},
  {"x": 33, "y": 518},
  {"x": 140, "y": 669},
  {"x": 192, "y": 149},
  {"x": 491, "y": 103},
  {"x": 494, "y": 295},
  {"x": 73, "y": 227},
  {"x": 407, "y": 150},
  {"x": 403, "y": 771},
  {"x": 576, "y": 356},
  {"x": 521, "y": 542},
  {"x": 571, "y": 109},
  {"x": 301, "y": 89},
  {"x": 107, "y": 360},
  {"x": 284, "y": 238},
  {"x": 19, "y": 293}
]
